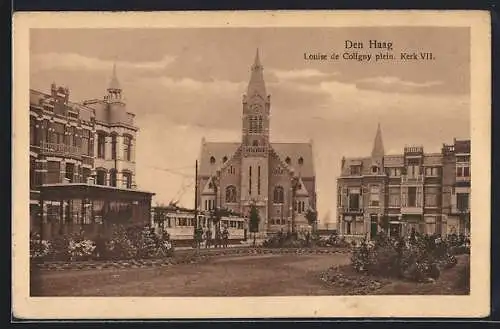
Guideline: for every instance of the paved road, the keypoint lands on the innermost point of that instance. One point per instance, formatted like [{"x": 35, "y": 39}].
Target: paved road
[{"x": 256, "y": 275}]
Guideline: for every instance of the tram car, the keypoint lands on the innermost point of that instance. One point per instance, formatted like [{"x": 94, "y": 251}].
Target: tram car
[{"x": 179, "y": 223}]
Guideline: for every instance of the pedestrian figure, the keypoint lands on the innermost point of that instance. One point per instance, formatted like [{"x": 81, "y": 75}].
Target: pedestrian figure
[
  {"x": 217, "y": 238},
  {"x": 208, "y": 237},
  {"x": 225, "y": 237}
]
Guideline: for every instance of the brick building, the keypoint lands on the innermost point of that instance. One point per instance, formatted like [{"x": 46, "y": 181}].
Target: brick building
[
  {"x": 428, "y": 192},
  {"x": 256, "y": 171},
  {"x": 75, "y": 144}
]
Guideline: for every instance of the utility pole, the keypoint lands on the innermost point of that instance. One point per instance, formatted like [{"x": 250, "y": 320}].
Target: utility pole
[{"x": 195, "y": 225}]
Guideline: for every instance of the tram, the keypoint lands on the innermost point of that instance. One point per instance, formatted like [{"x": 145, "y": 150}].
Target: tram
[{"x": 179, "y": 223}]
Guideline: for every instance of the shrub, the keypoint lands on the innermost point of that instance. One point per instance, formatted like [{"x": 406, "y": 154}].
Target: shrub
[
  {"x": 119, "y": 246},
  {"x": 59, "y": 248},
  {"x": 417, "y": 258},
  {"x": 80, "y": 249},
  {"x": 39, "y": 249}
]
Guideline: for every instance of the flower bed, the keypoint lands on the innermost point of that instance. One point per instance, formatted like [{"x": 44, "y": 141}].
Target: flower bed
[
  {"x": 417, "y": 258},
  {"x": 178, "y": 258}
]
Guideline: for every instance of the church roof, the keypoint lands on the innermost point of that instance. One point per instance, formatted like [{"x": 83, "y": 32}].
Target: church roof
[
  {"x": 378, "y": 144},
  {"x": 217, "y": 150},
  {"x": 256, "y": 84},
  {"x": 299, "y": 154}
]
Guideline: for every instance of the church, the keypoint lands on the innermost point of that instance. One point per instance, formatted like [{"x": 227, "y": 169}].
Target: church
[{"x": 277, "y": 178}]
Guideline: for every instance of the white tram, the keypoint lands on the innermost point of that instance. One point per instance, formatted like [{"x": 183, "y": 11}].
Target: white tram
[{"x": 179, "y": 223}]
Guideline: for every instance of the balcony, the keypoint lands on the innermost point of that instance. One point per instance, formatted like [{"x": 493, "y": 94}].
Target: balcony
[
  {"x": 56, "y": 149},
  {"x": 412, "y": 210},
  {"x": 417, "y": 179},
  {"x": 353, "y": 211}
]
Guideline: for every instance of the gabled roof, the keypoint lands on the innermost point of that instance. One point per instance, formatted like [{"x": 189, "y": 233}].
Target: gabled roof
[
  {"x": 302, "y": 191},
  {"x": 217, "y": 150},
  {"x": 295, "y": 152}
]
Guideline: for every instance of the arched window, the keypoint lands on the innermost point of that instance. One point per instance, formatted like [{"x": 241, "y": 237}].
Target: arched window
[
  {"x": 212, "y": 160},
  {"x": 287, "y": 160},
  {"x": 301, "y": 161},
  {"x": 101, "y": 177},
  {"x": 374, "y": 169},
  {"x": 112, "y": 177},
  {"x": 127, "y": 180},
  {"x": 127, "y": 151},
  {"x": 279, "y": 194},
  {"x": 231, "y": 194}
]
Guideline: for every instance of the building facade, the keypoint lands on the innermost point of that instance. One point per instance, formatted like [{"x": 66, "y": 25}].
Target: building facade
[
  {"x": 92, "y": 142},
  {"x": 277, "y": 178},
  {"x": 427, "y": 192}
]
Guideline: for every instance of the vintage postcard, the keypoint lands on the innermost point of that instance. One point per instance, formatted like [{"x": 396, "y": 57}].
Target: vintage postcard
[{"x": 251, "y": 164}]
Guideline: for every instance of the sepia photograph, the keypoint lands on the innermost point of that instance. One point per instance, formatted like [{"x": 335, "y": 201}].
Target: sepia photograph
[{"x": 225, "y": 160}]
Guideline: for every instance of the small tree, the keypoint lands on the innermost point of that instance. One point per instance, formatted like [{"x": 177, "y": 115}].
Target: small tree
[
  {"x": 312, "y": 218},
  {"x": 254, "y": 222}
]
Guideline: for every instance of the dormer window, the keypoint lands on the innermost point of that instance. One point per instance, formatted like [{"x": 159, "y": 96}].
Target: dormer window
[
  {"x": 301, "y": 161},
  {"x": 212, "y": 160}
]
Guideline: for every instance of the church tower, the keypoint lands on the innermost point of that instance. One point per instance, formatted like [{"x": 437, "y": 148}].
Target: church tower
[
  {"x": 378, "y": 152},
  {"x": 255, "y": 143}
]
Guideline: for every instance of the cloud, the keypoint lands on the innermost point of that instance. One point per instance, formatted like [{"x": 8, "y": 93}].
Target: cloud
[
  {"x": 197, "y": 86},
  {"x": 303, "y": 75},
  {"x": 395, "y": 84},
  {"x": 75, "y": 62}
]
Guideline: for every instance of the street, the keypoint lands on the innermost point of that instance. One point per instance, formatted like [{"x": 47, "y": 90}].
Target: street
[{"x": 256, "y": 275}]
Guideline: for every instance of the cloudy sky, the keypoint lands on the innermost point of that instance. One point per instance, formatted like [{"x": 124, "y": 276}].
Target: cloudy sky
[{"x": 184, "y": 84}]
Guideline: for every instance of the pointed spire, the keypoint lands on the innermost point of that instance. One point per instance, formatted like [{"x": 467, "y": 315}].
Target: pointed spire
[
  {"x": 378, "y": 145},
  {"x": 256, "y": 84},
  {"x": 114, "y": 83}
]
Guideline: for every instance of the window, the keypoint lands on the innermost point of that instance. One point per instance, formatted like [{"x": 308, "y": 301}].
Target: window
[
  {"x": 127, "y": 151},
  {"x": 287, "y": 160},
  {"x": 394, "y": 172},
  {"x": 301, "y": 161},
  {"x": 32, "y": 172},
  {"x": 231, "y": 170},
  {"x": 70, "y": 172},
  {"x": 127, "y": 179},
  {"x": 394, "y": 196},
  {"x": 224, "y": 159},
  {"x": 374, "y": 196},
  {"x": 299, "y": 206},
  {"x": 206, "y": 204},
  {"x": 348, "y": 228},
  {"x": 58, "y": 133},
  {"x": 85, "y": 174},
  {"x": 86, "y": 142},
  {"x": 463, "y": 171},
  {"x": 101, "y": 177},
  {"x": 463, "y": 158},
  {"x": 212, "y": 160},
  {"x": 354, "y": 203},
  {"x": 279, "y": 195},
  {"x": 463, "y": 201},
  {"x": 412, "y": 196},
  {"x": 355, "y": 170},
  {"x": 374, "y": 169},
  {"x": 231, "y": 194},
  {"x": 33, "y": 131},
  {"x": 431, "y": 171},
  {"x": 113, "y": 147},
  {"x": 70, "y": 136},
  {"x": 101, "y": 145},
  {"x": 258, "y": 180},
  {"x": 431, "y": 196},
  {"x": 250, "y": 180},
  {"x": 112, "y": 178},
  {"x": 53, "y": 172}
]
